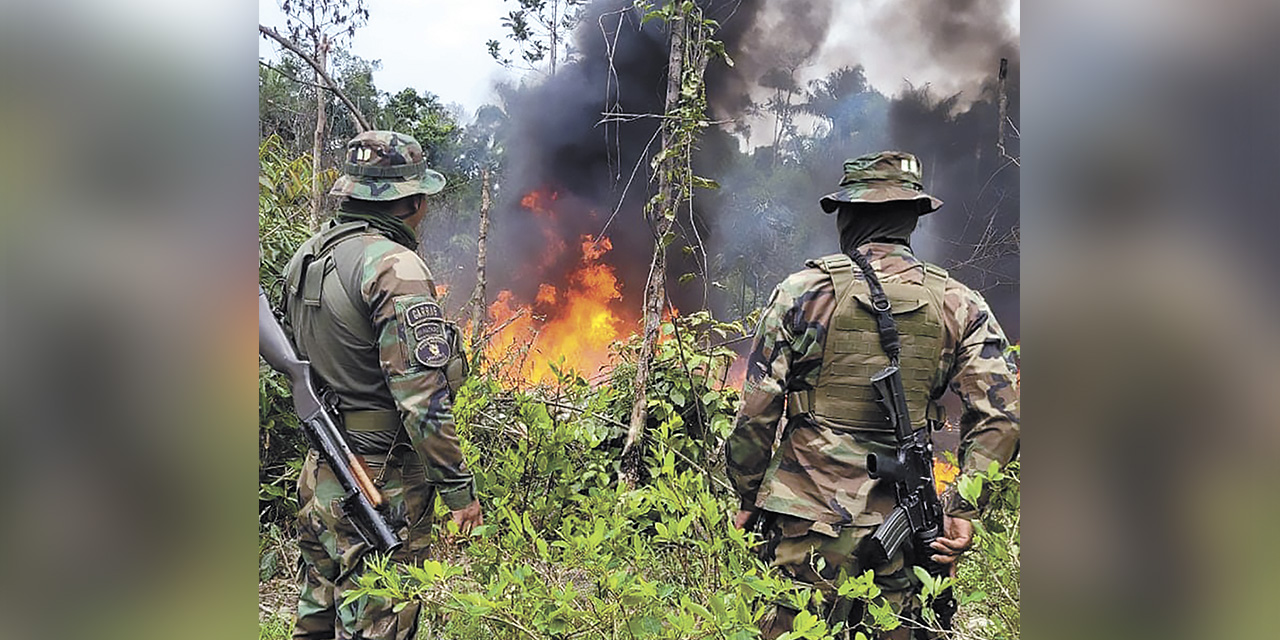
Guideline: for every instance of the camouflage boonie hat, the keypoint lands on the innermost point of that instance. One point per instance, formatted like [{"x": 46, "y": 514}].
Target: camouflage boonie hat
[
  {"x": 881, "y": 177},
  {"x": 385, "y": 165}
]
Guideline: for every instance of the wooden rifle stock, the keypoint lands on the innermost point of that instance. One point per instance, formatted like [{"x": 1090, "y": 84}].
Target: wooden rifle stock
[{"x": 364, "y": 504}]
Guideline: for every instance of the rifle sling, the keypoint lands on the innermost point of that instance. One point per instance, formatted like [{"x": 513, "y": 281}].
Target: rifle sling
[{"x": 884, "y": 317}]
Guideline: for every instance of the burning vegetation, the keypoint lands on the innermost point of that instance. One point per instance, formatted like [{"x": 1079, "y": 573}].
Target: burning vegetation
[{"x": 572, "y": 320}]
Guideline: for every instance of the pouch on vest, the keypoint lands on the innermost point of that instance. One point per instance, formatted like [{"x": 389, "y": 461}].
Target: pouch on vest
[
  {"x": 457, "y": 369},
  {"x": 312, "y": 276},
  {"x": 843, "y": 397}
]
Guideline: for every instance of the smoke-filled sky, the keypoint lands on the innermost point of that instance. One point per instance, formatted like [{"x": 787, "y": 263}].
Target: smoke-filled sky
[
  {"x": 558, "y": 143},
  {"x": 440, "y": 46},
  {"x": 912, "y": 54},
  {"x": 948, "y": 47}
]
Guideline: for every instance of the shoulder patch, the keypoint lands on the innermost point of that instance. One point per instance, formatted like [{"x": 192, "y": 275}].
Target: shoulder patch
[
  {"x": 422, "y": 312},
  {"x": 432, "y": 352},
  {"x": 422, "y": 331}
]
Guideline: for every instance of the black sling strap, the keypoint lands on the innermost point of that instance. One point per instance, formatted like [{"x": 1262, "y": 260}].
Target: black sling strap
[{"x": 880, "y": 302}]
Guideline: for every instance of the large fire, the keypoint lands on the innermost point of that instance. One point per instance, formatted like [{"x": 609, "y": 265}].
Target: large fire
[{"x": 568, "y": 325}]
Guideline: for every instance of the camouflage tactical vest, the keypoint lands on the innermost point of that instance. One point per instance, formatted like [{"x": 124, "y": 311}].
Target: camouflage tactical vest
[{"x": 843, "y": 398}]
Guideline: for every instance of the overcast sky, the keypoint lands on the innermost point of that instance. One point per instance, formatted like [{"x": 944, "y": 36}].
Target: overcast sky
[{"x": 429, "y": 45}]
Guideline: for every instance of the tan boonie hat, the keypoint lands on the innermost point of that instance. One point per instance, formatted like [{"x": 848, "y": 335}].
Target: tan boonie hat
[
  {"x": 385, "y": 165},
  {"x": 881, "y": 177}
]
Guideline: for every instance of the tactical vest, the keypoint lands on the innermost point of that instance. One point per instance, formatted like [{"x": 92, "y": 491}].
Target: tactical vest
[
  {"x": 313, "y": 279},
  {"x": 311, "y": 275},
  {"x": 843, "y": 398}
]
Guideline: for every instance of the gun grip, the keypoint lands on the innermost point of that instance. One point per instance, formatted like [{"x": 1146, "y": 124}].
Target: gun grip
[{"x": 886, "y": 467}]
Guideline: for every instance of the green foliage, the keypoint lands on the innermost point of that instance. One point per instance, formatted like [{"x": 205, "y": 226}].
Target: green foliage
[
  {"x": 425, "y": 118},
  {"x": 283, "y": 187},
  {"x": 277, "y": 553},
  {"x": 566, "y": 552},
  {"x": 988, "y": 576},
  {"x": 690, "y": 407},
  {"x": 538, "y": 29},
  {"x": 276, "y": 627}
]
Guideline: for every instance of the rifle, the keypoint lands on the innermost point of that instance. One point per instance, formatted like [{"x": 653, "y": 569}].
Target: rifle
[
  {"x": 363, "y": 504},
  {"x": 919, "y": 512}
]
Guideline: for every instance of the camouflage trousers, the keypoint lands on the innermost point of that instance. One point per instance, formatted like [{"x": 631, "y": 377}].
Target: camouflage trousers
[
  {"x": 332, "y": 551},
  {"x": 793, "y": 547}
]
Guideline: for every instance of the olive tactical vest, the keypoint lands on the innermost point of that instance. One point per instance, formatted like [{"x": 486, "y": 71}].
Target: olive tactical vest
[
  {"x": 843, "y": 398},
  {"x": 311, "y": 275},
  {"x": 325, "y": 274}
]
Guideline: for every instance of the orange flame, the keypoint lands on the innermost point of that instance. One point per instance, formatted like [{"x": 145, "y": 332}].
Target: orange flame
[
  {"x": 540, "y": 202},
  {"x": 546, "y": 294},
  {"x": 569, "y": 325},
  {"x": 944, "y": 474}
]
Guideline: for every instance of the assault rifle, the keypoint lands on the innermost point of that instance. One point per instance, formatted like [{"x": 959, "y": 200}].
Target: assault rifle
[
  {"x": 919, "y": 512},
  {"x": 363, "y": 504}
]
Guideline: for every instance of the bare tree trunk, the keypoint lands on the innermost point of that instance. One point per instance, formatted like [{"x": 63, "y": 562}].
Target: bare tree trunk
[
  {"x": 1003, "y": 94},
  {"x": 655, "y": 294},
  {"x": 555, "y": 32},
  {"x": 479, "y": 312},
  {"x": 317, "y": 142}
]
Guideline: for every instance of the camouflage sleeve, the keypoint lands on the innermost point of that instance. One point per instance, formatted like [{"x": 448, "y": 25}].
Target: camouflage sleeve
[
  {"x": 413, "y": 350},
  {"x": 984, "y": 377},
  {"x": 749, "y": 447}
]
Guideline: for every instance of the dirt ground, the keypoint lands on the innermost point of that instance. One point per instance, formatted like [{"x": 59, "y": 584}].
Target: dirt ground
[{"x": 277, "y": 597}]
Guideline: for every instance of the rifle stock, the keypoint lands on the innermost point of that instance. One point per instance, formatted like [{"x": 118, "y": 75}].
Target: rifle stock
[{"x": 364, "y": 503}]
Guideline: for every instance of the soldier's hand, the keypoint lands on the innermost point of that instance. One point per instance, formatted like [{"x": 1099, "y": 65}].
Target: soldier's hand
[
  {"x": 468, "y": 517},
  {"x": 956, "y": 538},
  {"x": 743, "y": 516}
]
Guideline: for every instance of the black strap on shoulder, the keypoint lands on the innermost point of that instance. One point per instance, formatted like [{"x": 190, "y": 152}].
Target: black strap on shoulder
[{"x": 880, "y": 303}]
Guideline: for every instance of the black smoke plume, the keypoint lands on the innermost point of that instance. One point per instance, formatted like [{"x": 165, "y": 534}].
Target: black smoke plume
[{"x": 754, "y": 233}]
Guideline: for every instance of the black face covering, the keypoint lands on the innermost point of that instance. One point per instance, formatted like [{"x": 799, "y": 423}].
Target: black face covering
[
  {"x": 379, "y": 217},
  {"x": 880, "y": 222}
]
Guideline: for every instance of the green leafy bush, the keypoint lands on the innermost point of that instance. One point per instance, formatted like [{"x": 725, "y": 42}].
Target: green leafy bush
[
  {"x": 284, "y": 185},
  {"x": 566, "y": 552}
]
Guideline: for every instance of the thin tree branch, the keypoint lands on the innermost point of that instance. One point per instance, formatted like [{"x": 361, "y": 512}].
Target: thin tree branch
[
  {"x": 359, "y": 118},
  {"x": 291, "y": 78}
]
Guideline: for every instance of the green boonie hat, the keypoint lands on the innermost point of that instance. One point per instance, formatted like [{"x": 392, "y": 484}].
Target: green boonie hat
[
  {"x": 881, "y": 177},
  {"x": 385, "y": 165}
]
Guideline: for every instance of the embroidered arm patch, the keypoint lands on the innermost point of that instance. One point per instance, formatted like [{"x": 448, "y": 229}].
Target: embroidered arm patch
[{"x": 422, "y": 331}]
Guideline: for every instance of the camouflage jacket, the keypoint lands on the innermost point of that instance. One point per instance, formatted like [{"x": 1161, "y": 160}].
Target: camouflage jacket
[
  {"x": 398, "y": 373},
  {"x": 786, "y": 356}
]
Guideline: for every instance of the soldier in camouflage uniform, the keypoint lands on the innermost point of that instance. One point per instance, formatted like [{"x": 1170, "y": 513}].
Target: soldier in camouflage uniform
[
  {"x": 360, "y": 305},
  {"x": 813, "y": 354}
]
